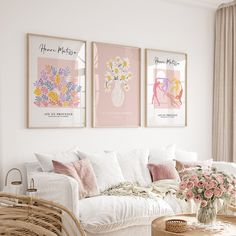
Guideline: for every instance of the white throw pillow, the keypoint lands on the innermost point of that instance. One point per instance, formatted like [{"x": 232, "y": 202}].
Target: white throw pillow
[
  {"x": 134, "y": 166},
  {"x": 158, "y": 155},
  {"x": 106, "y": 168},
  {"x": 45, "y": 160},
  {"x": 182, "y": 155}
]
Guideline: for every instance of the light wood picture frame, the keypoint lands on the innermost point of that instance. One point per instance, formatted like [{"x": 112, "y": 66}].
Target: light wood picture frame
[
  {"x": 56, "y": 82},
  {"x": 116, "y": 85},
  {"x": 166, "y": 88}
]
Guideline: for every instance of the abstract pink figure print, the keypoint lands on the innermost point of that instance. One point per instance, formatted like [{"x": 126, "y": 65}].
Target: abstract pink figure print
[{"x": 167, "y": 89}]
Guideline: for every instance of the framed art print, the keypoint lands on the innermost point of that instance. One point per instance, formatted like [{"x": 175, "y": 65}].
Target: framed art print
[
  {"x": 116, "y": 85},
  {"x": 56, "y": 82},
  {"x": 165, "y": 88}
]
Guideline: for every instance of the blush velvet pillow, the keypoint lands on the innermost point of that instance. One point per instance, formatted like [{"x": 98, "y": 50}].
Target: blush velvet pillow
[
  {"x": 82, "y": 171},
  {"x": 164, "y": 170}
]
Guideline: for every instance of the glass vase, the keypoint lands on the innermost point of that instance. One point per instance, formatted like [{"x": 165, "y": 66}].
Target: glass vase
[{"x": 207, "y": 214}]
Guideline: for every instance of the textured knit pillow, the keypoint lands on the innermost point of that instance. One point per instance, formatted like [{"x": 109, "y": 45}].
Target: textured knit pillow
[
  {"x": 164, "y": 170},
  {"x": 181, "y": 165},
  {"x": 82, "y": 171}
]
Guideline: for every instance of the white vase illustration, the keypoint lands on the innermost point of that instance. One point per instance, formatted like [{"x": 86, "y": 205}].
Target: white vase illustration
[{"x": 117, "y": 94}]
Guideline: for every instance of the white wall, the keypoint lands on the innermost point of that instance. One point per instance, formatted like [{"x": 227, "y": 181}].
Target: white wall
[{"x": 145, "y": 23}]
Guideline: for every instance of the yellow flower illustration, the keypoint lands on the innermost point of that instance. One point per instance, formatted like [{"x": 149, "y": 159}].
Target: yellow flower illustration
[
  {"x": 123, "y": 77},
  {"x": 53, "y": 96},
  {"x": 126, "y": 62},
  {"x": 109, "y": 64},
  {"x": 109, "y": 78},
  {"x": 65, "y": 104},
  {"x": 58, "y": 79},
  {"x": 64, "y": 89},
  {"x": 37, "y": 91},
  {"x": 116, "y": 70}
]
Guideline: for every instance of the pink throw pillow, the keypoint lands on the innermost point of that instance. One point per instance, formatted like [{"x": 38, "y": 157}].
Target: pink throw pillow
[
  {"x": 163, "y": 171},
  {"x": 82, "y": 171}
]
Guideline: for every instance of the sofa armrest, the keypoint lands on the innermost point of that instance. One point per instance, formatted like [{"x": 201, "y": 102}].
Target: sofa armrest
[
  {"x": 227, "y": 167},
  {"x": 57, "y": 187}
]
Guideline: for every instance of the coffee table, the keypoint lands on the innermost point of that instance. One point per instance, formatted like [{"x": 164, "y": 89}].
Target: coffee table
[{"x": 224, "y": 226}]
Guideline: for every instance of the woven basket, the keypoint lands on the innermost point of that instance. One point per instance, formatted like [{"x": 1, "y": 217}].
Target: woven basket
[
  {"x": 29, "y": 216},
  {"x": 176, "y": 225}
]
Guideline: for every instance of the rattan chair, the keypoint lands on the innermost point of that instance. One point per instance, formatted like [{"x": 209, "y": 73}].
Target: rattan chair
[{"x": 23, "y": 215}]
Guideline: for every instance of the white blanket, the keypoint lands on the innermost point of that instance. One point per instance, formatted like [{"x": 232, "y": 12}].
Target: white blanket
[{"x": 164, "y": 189}]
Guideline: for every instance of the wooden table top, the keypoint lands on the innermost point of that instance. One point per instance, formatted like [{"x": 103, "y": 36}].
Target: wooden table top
[{"x": 224, "y": 226}]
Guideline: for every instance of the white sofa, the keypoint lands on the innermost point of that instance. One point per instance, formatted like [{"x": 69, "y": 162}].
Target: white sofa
[{"x": 112, "y": 215}]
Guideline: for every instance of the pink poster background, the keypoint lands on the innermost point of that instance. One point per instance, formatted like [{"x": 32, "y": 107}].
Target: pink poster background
[{"x": 105, "y": 113}]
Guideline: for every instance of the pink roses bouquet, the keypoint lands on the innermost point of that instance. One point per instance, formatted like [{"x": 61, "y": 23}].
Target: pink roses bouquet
[{"x": 204, "y": 186}]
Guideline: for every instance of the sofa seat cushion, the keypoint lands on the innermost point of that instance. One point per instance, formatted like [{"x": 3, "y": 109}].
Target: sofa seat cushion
[{"x": 103, "y": 214}]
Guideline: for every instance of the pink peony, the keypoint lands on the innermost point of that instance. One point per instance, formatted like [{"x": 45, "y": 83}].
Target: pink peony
[
  {"x": 193, "y": 177},
  {"x": 207, "y": 186},
  {"x": 196, "y": 183},
  {"x": 213, "y": 184},
  {"x": 182, "y": 185},
  {"x": 197, "y": 198},
  {"x": 207, "y": 176},
  {"x": 190, "y": 185},
  {"x": 189, "y": 194},
  {"x": 223, "y": 189},
  {"x": 203, "y": 203},
  {"x": 208, "y": 193},
  {"x": 219, "y": 179},
  {"x": 217, "y": 192},
  {"x": 201, "y": 184},
  {"x": 230, "y": 188}
]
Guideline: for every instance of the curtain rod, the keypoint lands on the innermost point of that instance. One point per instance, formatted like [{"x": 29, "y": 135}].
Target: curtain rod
[{"x": 227, "y": 4}]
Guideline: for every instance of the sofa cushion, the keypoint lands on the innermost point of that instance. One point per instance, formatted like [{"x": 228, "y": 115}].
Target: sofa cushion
[
  {"x": 182, "y": 155},
  {"x": 45, "y": 160},
  {"x": 110, "y": 213},
  {"x": 227, "y": 167},
  {"x": 133, "y": 164},
  {"x": 181, "y": 165},
  {"x": 159, "y": 154},
  {"x": 106, "y": 168}
]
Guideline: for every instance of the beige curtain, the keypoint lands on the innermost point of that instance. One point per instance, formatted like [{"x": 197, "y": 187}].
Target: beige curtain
[{"x": 224, "y": 90}]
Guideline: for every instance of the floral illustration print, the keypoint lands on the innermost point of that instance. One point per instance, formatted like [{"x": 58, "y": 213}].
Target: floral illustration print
[
  {"x": 118, "y": 70},
  {"x": 56, "y": 88}
]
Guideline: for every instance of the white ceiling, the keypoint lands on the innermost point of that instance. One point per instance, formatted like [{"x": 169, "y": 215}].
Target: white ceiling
[{"x": 203, "y": 3}]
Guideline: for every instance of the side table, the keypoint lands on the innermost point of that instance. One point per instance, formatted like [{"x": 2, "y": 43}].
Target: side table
[{"x": 225, "y": 226}]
